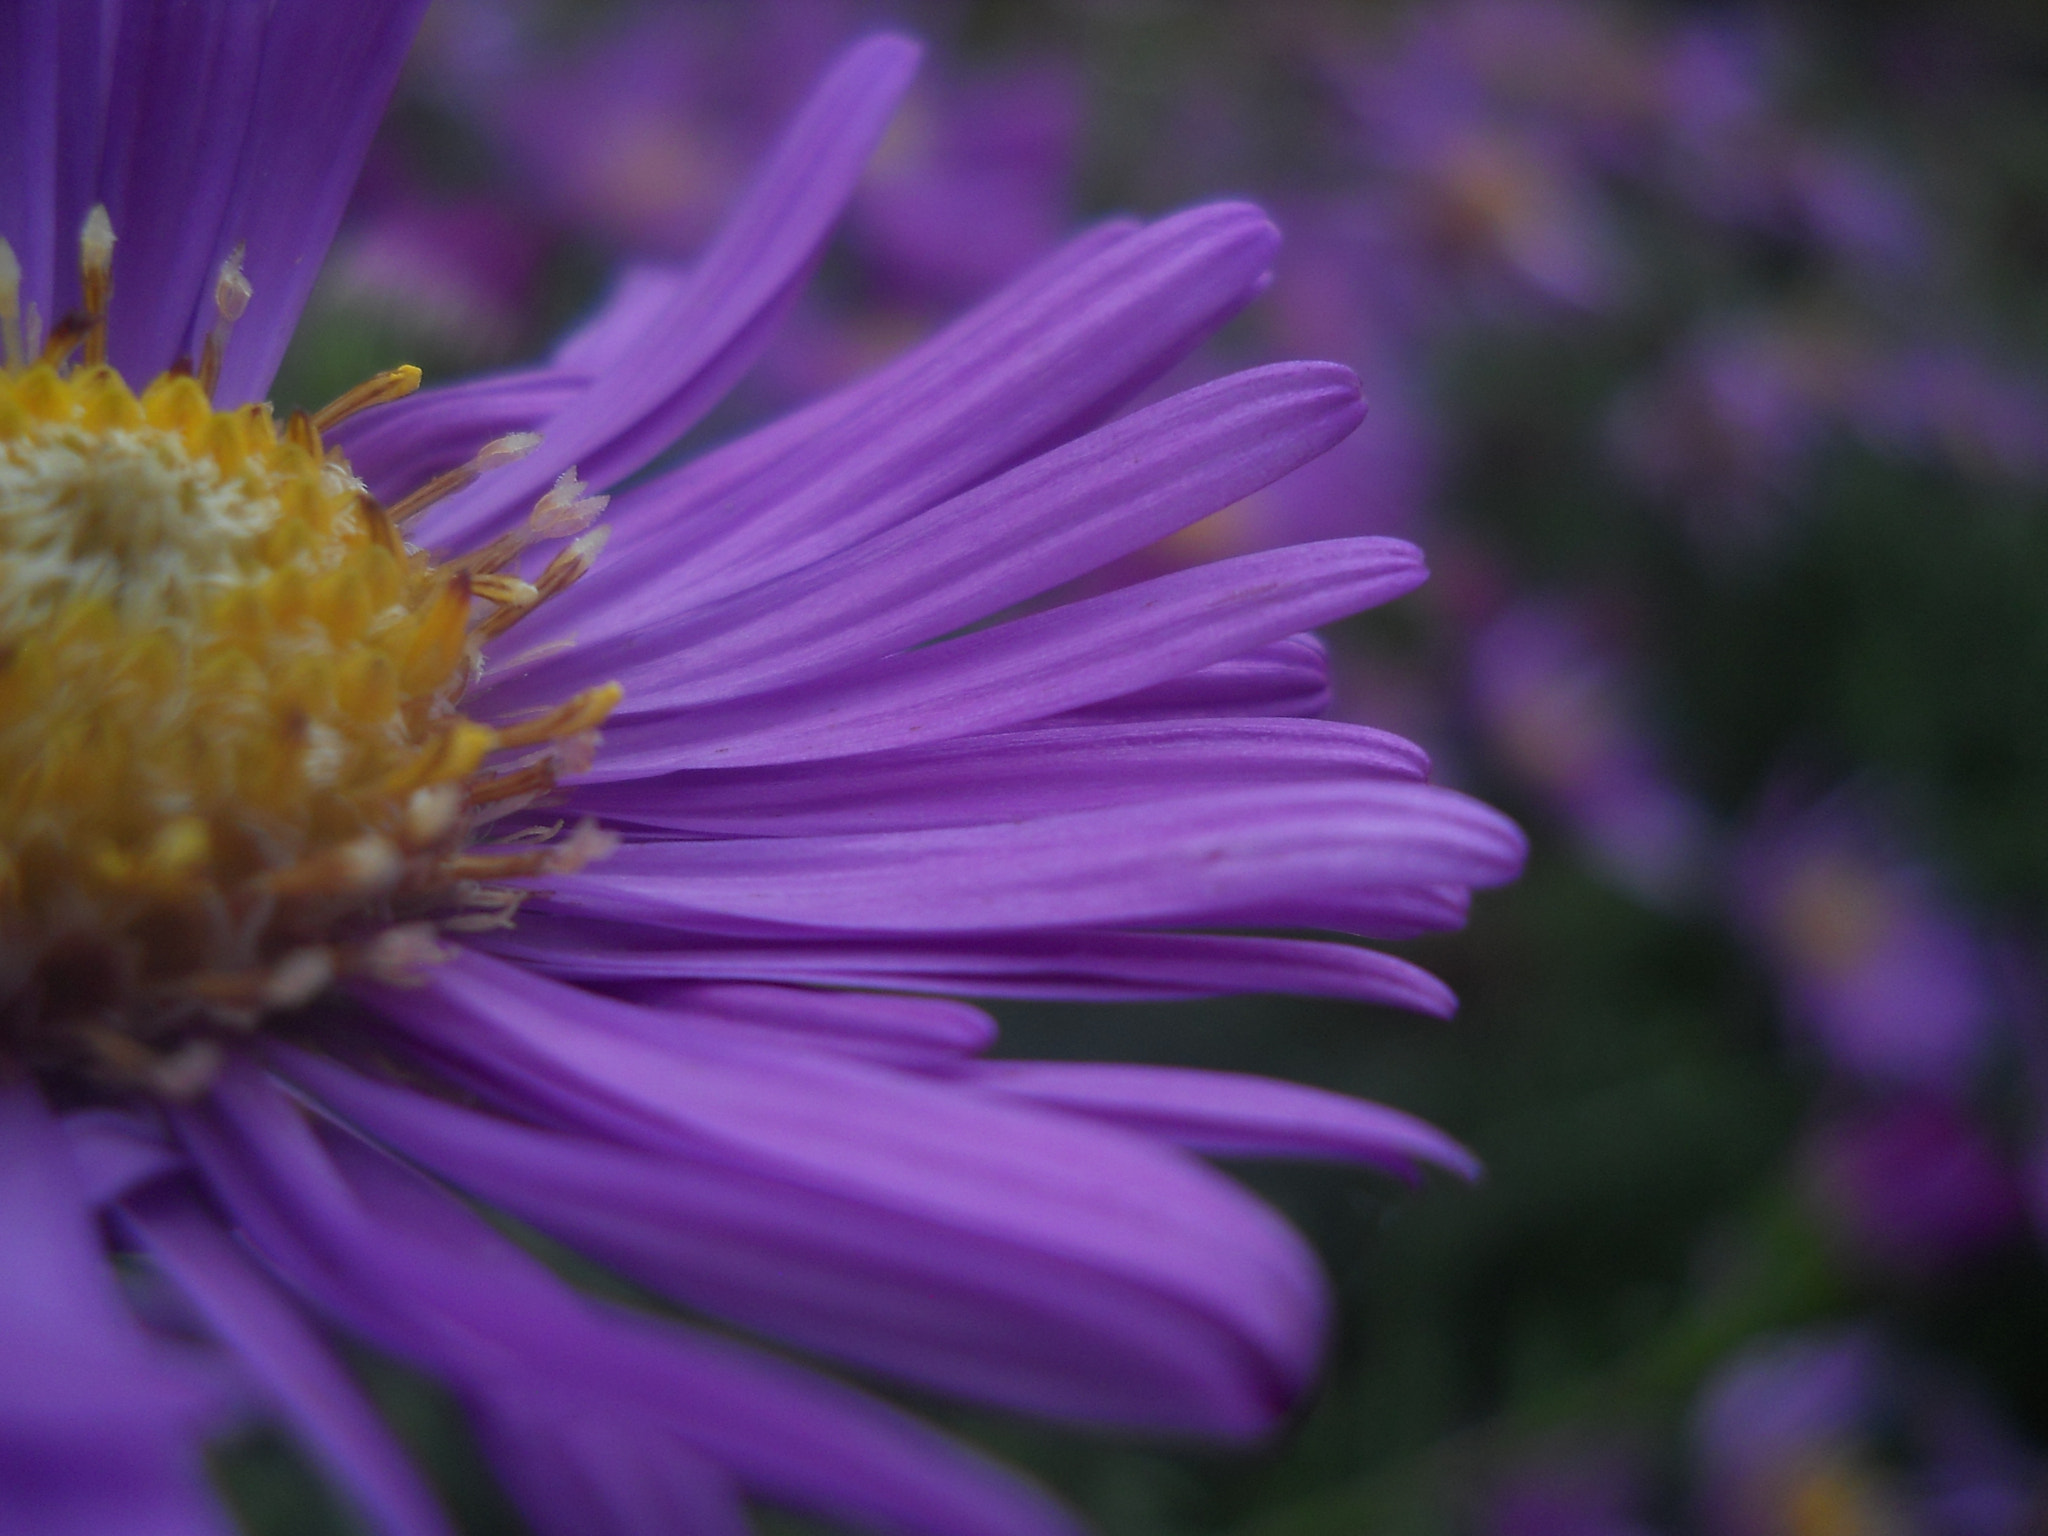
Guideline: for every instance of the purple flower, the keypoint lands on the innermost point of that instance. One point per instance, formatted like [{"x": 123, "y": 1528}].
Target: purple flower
[
  {"x": 1841, "y": 1430},
  {"x": 1555, "y": 705},
  {"x": 1489, "y": 210},
  {"x": 1911, "y": 1186},
  {"x": 322, "y": 900},
  {"x": 1568, "y": 1490},
  {"x": 1728, "y": 427},
  {"x": 1885, "y": 976},
  {"x": 458, "y": 275}
]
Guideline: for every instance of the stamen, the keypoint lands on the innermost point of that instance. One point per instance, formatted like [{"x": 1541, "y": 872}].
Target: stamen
[
  {"x": 585, "y": 712},
  {"x": 10, "y": 309},
  {"x": 586, "y": 844},
  {"x": 499, "y": 450},
  {"x": 299, "y": 430},
  {"x": 65, "y": 336},
  {"x": 96, "y": 269},
  {"x": 381, "y": 389},
  {"x": 566, "y": 509},
  {"x": 527, "y": 783},
  {"x": 403, "y": 955},
  {"x": 377, "y": 522},
  {"x": 231, "y": 295}
]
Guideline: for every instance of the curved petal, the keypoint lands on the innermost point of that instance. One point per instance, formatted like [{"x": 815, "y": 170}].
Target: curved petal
[
  {"x": 1047, "y": 358},
  {"x": 1080, "y": 965},
  {"x": 1228, "y": 1114},
  {"x": 1178, "y": 862},
  {"x": 1046, "y": 663},
  {"x": 94, "y": 1436},
  {"x": 1061, "y": 515},
  {"x": 884, "y": 1219},
  {"x": 1002, "y": 776},
  {"x": 714, "y": 326},
  {"x": 575, "y": 1473},
  {"x": 1287, "y": 678},
  {"x": 297, "y": 1371},
  {"x": 398, "y": 1260}
]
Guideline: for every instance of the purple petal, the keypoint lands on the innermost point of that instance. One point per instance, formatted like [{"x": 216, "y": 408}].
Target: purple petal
[
  {"x": 1289, "y": 678},
  {"x": 115, "y": 1151},
  {"x": 1002, "y": 777},
  {"x": 400, "y": 1261},
  {"x": 1230, "y": 1115},
  {"x": 885, "y": 1219},
  {"x": 640, "y": 297},
  {"x": 326, "y": 73},
  {"x": 1062, "y": 659},
  {"x": 1037, "y": 364},
  {"x": 83, "y": 66},
  {"x": 1050, "y": 520},
  {"x": 94, "y": 1435},
  {"x": 577, "y": 1474},
  {"x": 899, "y": 1031},
  {"x": 299, "y": 1373},
  {"x": 29, "y": 75},
  {"x": 184, "y": 81},
  {"x": 715, "y": 327},
  {"x": 1077, "y": 966},
  {"x": 1171, "y": 862}
]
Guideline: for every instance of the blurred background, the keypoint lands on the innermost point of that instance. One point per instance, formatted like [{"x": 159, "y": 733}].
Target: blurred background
[{"x": 1708, "y": 356}]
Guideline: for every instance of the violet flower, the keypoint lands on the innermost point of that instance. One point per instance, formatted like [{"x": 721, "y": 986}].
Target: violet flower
[
  {"x": 1911, "y": 1187},
  {"x": 1842, "y": 1429},
  {"x": 1880, "y": 971},
  {"x": 1556, "y": 706},
  {"x": 322, "y": 900}
]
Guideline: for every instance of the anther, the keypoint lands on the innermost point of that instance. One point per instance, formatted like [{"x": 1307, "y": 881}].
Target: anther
[
  {"x": 231, "y": 295},
  {"x": 402, "y": 955},
  {"x": 96, "y": 271},
  {"x": 380, "y": 389},
  {"x": 566, "y": 509},
  {"x": 10, "y": 309},
  {"x": 500, "y": 450}
]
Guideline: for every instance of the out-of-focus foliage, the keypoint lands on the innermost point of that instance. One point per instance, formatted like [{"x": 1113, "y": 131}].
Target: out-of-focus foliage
[{"x": 1709, "y": 357}]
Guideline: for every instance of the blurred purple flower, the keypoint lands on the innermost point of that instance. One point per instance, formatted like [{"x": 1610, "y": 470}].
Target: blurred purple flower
[
  {"x": 1556, "y": 709},
  {"x": 1911, "y": 1186},
  {"x": 1888, "y": 978},
  {"x": 1489, "y": 209},
  {"x": 1567, "y": 1492},
  {"x": 829, "y": 770},
  {"x": 1735, "y": 155},
  {"x": 1951, "y": 403},
  {"x": 1837, "y": 1432},
  {"x": 1727, "y": 429},
  {"x": 456, "y": 275}
]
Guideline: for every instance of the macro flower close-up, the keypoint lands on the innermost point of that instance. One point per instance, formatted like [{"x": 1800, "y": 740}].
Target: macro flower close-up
[{"x": 476, "y": 886}]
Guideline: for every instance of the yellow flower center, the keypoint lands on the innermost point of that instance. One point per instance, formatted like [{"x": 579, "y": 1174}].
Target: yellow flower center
[{"x": 233, "y": 761}]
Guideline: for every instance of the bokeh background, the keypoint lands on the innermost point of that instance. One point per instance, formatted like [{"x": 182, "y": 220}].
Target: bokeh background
[{"x": 1708, "y": 355}]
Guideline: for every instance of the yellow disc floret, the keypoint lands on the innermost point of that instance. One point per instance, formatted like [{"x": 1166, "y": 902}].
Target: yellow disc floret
[{"x": 232, "y": 757}]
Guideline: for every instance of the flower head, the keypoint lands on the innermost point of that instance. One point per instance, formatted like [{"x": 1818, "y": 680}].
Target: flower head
[{"x": 323, "y": 900}]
